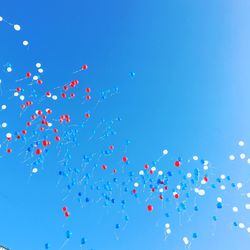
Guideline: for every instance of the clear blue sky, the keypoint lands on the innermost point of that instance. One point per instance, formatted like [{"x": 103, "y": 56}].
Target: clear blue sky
[{"x": 190, "y": 95}]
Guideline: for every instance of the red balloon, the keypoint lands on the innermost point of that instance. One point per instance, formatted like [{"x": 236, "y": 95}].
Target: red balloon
[
  {"x": 46, "y": 143},
  {"x": 39, "y": 112},
  {"x": 104, "y": 167},
  {"x": 177, "y": 163},
  {"x": 67, "y": 214},
  {"x": 124, "y": 158},
  {"x": 87, "y": 115},
  {"x": 88, "y": 90},
  {"x": 85, "y": 66},
  {"x": 64, "y": 209},
  {"x": 39, "y": 151},
  {"x": 176, "y": 196},
  {"x": 9, "y": 150},
  {"x": 28, "y": 74},
  {"x": 57, "y": 138},
  {"x": 150, "y": 208}
]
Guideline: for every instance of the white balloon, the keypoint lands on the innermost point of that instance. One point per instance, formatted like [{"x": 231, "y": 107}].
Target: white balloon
[
  {"x": 22, "y": 97},
  {"x": 153, "y": 168},
  {"x": 35, "y": 78},
  {"x": 185, "y": 240},
  {"x": 25, "y": 43},
  {"x": 189, "y": 175},
  {"x": 168, "y": 231},
  {"x": 141, "y": 172},
  {"x": 136, "y": 184},
  {"x": 241, "y": 225},
  {"x": 167, "y": 225},
  {"x": 161, "y": 190},
  {"x": 205, "y": 167},
  {"x": 223, "y": 177},
  {"x": 17, "y": 27},
  {"x": 222, "y": 187},
  {"x": 235, "y": 209},
  {"x": 38, "y": 65},
  {"x": 54, "y": 97},
  {"x": 242, "y": 156},
  {"x": 34, "y": 170},
  {"x": 241, "y": 143},
  {"x": 160, "y": 172},
  {"x": 231, "y": 157},
  {"x": 247, "y": 206},
  {"x": 165, "y": 151},
  {"x": 219, "y": 199},
  {"x": 4, "y": 125},
  {"x": 40, "y": 70},
  {"x": 195, "y": 158},
  {"x": 16, "y": 94},
  {"x": 4, "y": 107},
  {"x": 9, "y": 69},
  {"x": 201, "y": 192},
  {"x": 8, "y": 135},
  {"x": 239, "y": 185},
  {"x": 205, "y": 162},
  {"x": 1, "y": 18}
]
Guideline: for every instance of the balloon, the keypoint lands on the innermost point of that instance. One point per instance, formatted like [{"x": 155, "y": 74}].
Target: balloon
[
  {"x": 177, "y": 163},
  {"x": 68, "y": 234},
  {"x": 150, "y": 208},
  {"x": 83, "y": 241}
]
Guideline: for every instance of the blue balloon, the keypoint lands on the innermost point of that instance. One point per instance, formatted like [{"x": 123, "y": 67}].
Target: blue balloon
[
  {"x": 132, "y": 74},
  {"x": 68, "y": 234},
  {"x": 219, "y": 205},
  {"x": 83, "y": 241}
]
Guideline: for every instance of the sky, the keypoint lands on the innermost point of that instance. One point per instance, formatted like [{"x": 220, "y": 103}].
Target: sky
[{"x": 190, "y": 94}]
